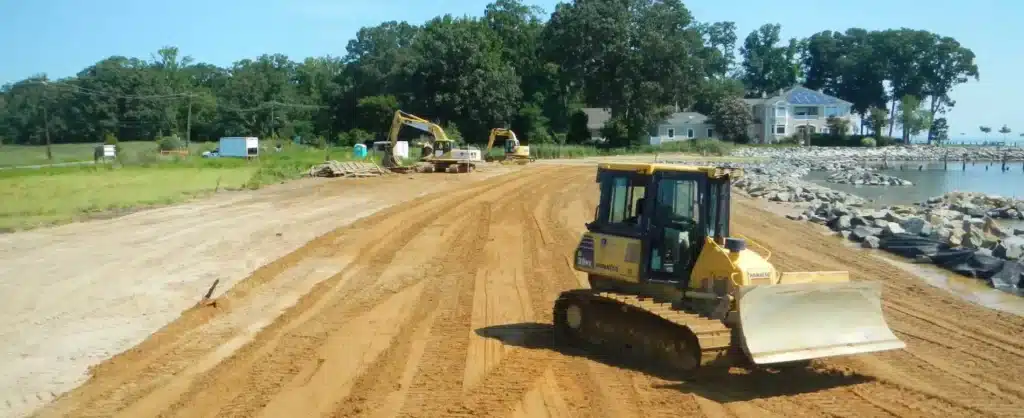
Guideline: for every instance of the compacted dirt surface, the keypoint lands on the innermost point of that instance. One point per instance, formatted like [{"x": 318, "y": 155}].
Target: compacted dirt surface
[{"x": 441, "y": 306}]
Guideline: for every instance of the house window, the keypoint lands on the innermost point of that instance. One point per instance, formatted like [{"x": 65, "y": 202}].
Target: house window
[
  {"x": 780, "y": 129},
  {"x": 805, "y": 112},
  {"x": 831, "y": 111},
  {"x": 780, "y": 112},
  {"x": 689, "y": 133},
  {"x": 805, "y": 129},
  {"x": 711, "y": 133},
  {"x": 671, "y": 133}
]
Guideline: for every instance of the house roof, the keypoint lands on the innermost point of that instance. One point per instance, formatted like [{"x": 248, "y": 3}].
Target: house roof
[
  {"x": 800, "y": 95},
  {"x": 597, "y": 117},
  {"x": 683, "y": 118}
]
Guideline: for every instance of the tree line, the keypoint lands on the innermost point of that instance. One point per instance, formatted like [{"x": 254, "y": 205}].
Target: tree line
[{"x": 513, "y": 67}]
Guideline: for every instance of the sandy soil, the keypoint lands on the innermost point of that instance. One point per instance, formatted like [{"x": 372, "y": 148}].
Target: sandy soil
[
  {"x": 441, "y": 307},
  {"x": 75, "y": 295}
]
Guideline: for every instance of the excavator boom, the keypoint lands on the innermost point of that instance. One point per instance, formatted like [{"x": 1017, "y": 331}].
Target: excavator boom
[{"x": 440, "y": 152}]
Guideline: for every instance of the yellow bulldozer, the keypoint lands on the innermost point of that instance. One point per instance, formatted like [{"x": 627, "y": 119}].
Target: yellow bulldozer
[
  {"x": 515, "y": 153},
  {"x": 669, "y": 284}
]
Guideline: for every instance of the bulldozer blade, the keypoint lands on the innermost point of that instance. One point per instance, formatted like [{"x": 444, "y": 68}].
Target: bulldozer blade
[{"x": 801, "y": 321}]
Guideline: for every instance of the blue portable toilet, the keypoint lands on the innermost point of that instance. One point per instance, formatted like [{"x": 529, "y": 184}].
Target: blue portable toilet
[{"x": 359, "y": 150}]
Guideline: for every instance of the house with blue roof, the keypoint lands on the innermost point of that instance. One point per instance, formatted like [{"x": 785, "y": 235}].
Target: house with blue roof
[
  {"x": 795, "y": 111},
  {"x": 792, "y": 111}
]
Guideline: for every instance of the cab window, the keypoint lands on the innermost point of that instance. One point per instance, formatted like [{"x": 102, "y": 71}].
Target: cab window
[
  {"x": 622, "y": 195},
  {"x": 677, "y": 199},
  {"x": 676, "y": 218}
]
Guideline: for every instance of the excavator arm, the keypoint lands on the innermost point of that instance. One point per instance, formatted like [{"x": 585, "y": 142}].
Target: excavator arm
[
  {"x": 499, "y": 132},
  {"x": 407, "y": 119}
]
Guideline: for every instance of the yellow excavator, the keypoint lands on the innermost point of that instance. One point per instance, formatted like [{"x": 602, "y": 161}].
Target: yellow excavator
[
  {"x": 515, "y": 153},
  {"x": 668, "y": 283},
  {"x": 440, "y": 152}
]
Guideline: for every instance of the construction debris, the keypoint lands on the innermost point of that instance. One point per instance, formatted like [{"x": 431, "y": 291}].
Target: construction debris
[{"x": 347, "y": 169}]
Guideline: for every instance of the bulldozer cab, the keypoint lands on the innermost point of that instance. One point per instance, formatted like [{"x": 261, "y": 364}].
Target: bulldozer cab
[{"x": 670, "y": 211}]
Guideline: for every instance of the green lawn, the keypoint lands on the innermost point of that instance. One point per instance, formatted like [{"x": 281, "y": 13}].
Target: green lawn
[
  {"x": 34, "y": 197},
  {"x": 59, "y": 197}
]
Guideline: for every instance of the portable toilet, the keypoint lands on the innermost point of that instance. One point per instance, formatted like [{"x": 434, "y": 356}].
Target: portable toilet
[{"x": 359, "y": 150}]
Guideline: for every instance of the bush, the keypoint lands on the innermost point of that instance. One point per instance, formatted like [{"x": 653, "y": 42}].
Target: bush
[
  {"x": 170, "y": 143},
  {"x": 867, "y": 142},
  {"x": 355, "y": 136}
]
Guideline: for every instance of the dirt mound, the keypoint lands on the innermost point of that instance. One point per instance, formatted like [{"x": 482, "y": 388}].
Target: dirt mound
[{"x": 441, "y": 307}]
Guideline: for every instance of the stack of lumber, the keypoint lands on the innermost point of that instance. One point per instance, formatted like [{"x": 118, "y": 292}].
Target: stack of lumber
[{"x": 346, "y": 169}]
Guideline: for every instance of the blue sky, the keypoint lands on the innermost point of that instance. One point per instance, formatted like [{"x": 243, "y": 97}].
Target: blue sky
[{"x": 60, "y": 37}]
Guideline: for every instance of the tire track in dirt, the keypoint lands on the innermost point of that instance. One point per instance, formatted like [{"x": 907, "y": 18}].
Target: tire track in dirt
[
  {"x": 512, "y": 292},
  {"x": 368, "y": 240},
  {"x": 172, "y": 349},
  {"x": 519, "y": 373},
  {"x": 363, "y": 294},
  {"x": 374, "y": 390},
  {"x": 401, "y": 360}
]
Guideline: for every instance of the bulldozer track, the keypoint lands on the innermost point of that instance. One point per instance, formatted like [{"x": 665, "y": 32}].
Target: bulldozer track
[{"x": 647, "y": 325}]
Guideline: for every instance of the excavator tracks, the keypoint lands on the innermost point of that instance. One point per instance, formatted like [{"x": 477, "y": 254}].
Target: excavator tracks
[{"x": 640, "y": 329}]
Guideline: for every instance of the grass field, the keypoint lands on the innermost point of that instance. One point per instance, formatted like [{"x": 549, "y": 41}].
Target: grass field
[
  {"x": 54, "y": 197},
  {"x": 141, "y": 177},
  {"x": 34, "y": 197},
  {"x": 30, "y": 155}
]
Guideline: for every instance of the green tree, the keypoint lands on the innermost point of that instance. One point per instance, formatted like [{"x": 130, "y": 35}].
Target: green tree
[
  {"x": 985, "y": 130},
  {"x": 578, "y": 132},
  {"x": 466, "y": 81},
  {"x": 913, "y": 120},
  {"x": 768, "y": 65},
  {"x": 1005, "y": 130},
  {"x": 939, "y": 131},
  {"x": 375, "y": 113},
  {"x": 878, "y": 118},
  {"x": 838, "y": 127},
  {"x": 731, "y": 117},
  {"x": 632, "y": 56},
  {"x": 949, "y": 64}
]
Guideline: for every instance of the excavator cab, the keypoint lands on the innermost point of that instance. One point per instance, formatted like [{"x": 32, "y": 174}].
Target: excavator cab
[
  {"x": 660, "y": 247},
  {"x": 443, "y": 146}
]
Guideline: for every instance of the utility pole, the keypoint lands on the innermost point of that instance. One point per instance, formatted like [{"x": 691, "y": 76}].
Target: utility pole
[
  {"x": 272, "y": 134},
  {"x": 46, "y": 119},
  {"x": 46, "y": 128},
  {"x": 188, "y": 123}
]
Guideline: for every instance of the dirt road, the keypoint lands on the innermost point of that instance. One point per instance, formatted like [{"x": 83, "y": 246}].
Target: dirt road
[
  {"x": 75, "y": 295},
  {"x": 441, "y": 307}
]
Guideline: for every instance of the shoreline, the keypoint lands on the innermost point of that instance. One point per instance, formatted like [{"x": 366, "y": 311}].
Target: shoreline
[{"x": 961, "y": 232}]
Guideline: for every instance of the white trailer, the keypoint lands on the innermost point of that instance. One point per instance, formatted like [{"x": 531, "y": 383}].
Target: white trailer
[
  {"x": 239, "y": 146},
  {"x": 401, "y": 148}
]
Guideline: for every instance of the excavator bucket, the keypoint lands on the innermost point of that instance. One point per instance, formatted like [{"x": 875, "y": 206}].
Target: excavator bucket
[{"x": 801, "y": 321}]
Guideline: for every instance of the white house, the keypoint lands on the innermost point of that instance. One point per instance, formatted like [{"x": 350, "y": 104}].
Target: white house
[
  {"x": 677, "y": 127},
  {"x": 795, "y": 110},
  {"x": 790, "y": 111}
]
